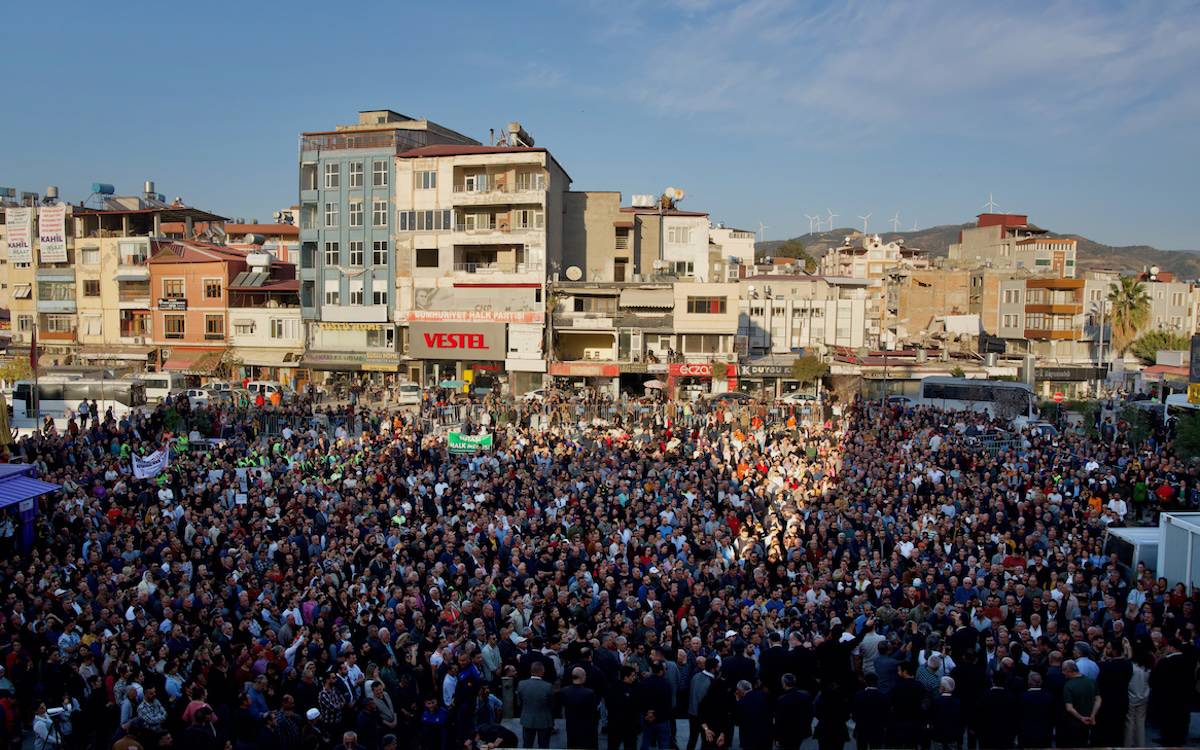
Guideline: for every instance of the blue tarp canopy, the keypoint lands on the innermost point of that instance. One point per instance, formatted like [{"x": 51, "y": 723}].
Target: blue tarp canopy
[{"x": 16, "y": 484}]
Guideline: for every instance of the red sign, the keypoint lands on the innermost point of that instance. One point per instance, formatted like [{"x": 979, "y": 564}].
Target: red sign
[
  {"x": 454, "y": 341},
  {"x": 691, "y": 370},
  {"x": 581, "y": 370},
  {"x": 1058, "y": 397}
]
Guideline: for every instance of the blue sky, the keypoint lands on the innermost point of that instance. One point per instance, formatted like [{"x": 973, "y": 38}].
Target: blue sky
[{"x": 1082, "y": 114}]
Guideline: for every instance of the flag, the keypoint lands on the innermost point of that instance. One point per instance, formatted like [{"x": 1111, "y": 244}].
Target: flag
[
  {"x": 147, "y": 467},
  {"x": 33, "y": 351}
]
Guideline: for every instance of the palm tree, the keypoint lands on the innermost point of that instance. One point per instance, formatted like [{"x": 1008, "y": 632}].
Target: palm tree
[{"x": 1130, "y": 311}]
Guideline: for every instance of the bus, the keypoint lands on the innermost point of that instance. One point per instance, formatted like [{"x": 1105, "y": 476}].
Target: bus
[
  {"x": 57, "y": 396},
  {"x": 159, "y": 385},
  {"x": 999, "y": 398}
]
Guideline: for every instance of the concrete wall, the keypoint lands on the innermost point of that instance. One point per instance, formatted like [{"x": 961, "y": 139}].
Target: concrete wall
[{"x": 589, "y": 234}]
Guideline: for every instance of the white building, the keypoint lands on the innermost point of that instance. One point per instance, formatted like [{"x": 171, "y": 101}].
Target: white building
[{"x": 781, "y": 314}]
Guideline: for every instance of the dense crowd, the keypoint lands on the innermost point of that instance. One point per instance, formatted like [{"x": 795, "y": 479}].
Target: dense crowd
[{"x": 709, "y": 576}]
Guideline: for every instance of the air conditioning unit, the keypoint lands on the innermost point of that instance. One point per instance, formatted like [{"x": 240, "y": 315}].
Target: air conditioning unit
[{"x": 139, "y": 339}]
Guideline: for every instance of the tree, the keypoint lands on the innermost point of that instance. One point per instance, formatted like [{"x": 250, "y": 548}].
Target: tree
[
  {"x": 1149, "y": 344},
  {"x": 1130, "y": 311},
  {"x": 1187, "y": 436},
  {"x": 795, "y": 249},
  {"x": 809, "y": 369},
  {"x": 958, "y": 372},
  {"x": 14, "y": 369}
]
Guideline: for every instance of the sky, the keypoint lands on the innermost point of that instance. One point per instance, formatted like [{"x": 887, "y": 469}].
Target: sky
[{"x": 1083, "y": 115}]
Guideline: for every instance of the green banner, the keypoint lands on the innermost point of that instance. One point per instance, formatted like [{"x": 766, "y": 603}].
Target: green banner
[{"x": 460, "y": 443}]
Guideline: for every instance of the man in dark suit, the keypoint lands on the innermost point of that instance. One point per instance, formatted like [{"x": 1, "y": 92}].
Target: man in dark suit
[
  {"x": 740, "y": 666},
  {"x": 624, "y": 714},
  {"x": 537, "y": 707},
  {"x": 581, "y": 710},
  {"x": 793, "y": 714},
  {"x": 870, "y": 712},
  {"x": 773, "y": 663},
  {"x": 1037, "y": 714},
  {"x": 607, "y": 661},
  {"x": 907, "y": 714},
  {"x": 946, "y": 720},
  {"x": 753, "y": 714},
  {"x": 655, "y": 708},
  {"x": 997, "y": 711},
  {"x": 1172, "y": 684}
]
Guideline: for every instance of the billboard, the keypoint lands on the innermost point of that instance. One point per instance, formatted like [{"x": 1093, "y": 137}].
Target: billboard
[
  {"x": 52, "y": 233},
  {"x": 19, "y": 222},
  {"x": 473, "y": 341}
]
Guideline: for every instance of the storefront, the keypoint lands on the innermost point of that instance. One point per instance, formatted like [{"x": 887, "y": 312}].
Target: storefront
[
  {"x": 603, "y": 377},
  {"x": 767, "y": 378},
  {"x": 342, "y": 361},
  {"x": 470, "y": 353},
  {"x": 690, "y": 380},
  {"x": 269, "y": 364},
  {"x": 1074, "y": 382}
]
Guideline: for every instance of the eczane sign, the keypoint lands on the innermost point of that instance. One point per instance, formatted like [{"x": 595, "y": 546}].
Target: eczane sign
[{"x": 456, "y": 340}]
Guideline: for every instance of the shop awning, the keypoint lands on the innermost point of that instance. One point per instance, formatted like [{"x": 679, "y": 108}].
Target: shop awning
[
  {"x": 263, "y": 357},
  {"x": 132, "y": 274},
  {"x": 16, "y": 485},
  {"x": 22, "y": 291},
  {"x": 198, "y": 362},
  {"x": 662, "y": 299}
]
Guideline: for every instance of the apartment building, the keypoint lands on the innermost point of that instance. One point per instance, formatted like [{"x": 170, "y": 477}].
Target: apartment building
[
  {"x": 781, "y": 314},
  {"x": 347, "y": 264},
  {"x": 1010, "y": 242},
  {"x": 731, "y": 250},
  {"x": 190, "y": 287},
  {"x": 919, "y": 297},
  {"x": 266, "y": 328},
  {"x": 478, "y": 230},
  {"x": 1174, "y": 304},
  {"x": 596, "y": 238},
  {"x": 1052, "y": 318},
  {"x": 870, "y": 258}
]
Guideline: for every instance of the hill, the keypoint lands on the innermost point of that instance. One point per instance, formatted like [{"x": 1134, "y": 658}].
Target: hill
[{"x": 1090, "y": 254}]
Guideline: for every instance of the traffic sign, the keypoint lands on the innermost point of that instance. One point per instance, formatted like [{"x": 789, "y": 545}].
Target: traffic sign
[{"x": 1058, "y": 397}]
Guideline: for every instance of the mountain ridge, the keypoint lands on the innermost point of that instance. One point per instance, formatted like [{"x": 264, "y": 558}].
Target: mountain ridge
[{"x": 1090, "y": 255}]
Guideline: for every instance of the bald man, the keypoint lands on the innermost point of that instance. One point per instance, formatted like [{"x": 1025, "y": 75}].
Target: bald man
[{"x": 581, "y": 709}]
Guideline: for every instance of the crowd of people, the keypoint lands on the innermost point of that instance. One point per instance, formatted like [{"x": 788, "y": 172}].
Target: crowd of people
[{"x": 715, "y": 576}]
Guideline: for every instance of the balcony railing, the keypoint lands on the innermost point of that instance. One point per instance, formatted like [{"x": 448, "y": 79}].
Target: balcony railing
[
  {"x": 496, "y": 267},
  {"x": 497, "y": 189},
  {"x": 134, "y": 295},
  {"x": 494, "y": 227}
]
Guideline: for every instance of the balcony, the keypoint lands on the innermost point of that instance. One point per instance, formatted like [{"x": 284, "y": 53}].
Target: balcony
[
  {"x": 1055, "y": 308},
  {"x": 56, "y": 305},
  {"x": 497, "y": 195},
  {"x": 496, "y": 267},
  {"x": 1052, "y": 335}
]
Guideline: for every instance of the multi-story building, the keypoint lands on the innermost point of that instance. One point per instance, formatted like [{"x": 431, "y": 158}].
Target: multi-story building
[
  {"x": 1056, "y": 319},
  {"x": 732, "y": 251},
  {"x": 347, "y": 210},
  {"x": 478, "y": 230},
  {"x": 1010, "y": 242},
  {"x": 789, "y": 314},
  {"x": 1174, "y": 304},
  {"x": 871, "y": 258},
  {"x": 190, "y": 286},
  {"x": 597, "y": 238},
  {"x": 266, "y": 329},
  {"x": 916, "y": 298}
]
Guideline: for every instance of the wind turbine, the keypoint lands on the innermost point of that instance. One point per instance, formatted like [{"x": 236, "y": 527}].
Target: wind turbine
[
  {"x": 864, "y": 221},
  {"x": 811, "y": 219},
  {"x": 762, "y": 228},
  {"x": 990, "y": 205},
  {"x": 896, "y": 222},
  {"x": 914, "y": 225},
  {"x": 832, "y": 216}
]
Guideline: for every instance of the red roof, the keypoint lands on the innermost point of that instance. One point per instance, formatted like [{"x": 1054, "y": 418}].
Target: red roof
[
  {"x": 1002, "y": 220},
  {"x": 191, "y": 251},
  {"x": 454, "y": 149},
  {"x": 270, "y": 230}
]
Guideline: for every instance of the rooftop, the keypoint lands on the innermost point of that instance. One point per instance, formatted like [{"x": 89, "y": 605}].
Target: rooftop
[{"x": 653, "y": 211}]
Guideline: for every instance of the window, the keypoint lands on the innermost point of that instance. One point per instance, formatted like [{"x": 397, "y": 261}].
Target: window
[
  {"x": 91, "y": 287},
  {"x": 356, "y": 174},
  {"x": 60, "y": 323},
  {"x": 379, "y": 173},
  {"x": 1012, "y": 296},
  {"x": 243, "y": 327},
  {"x": 622, "y": 239},
  {"x": 706, "y": 305},
  {"x": 356, "y": 291},
  {"x": 332, "y": 293},
  {"x": 524, "y": 218},
  {"x": 531, "y": 181},
  {"x": 285, "y": 328},
  {"x": 356, "y": 213},
  {"x": 1041, "y": 262},
  {"x": 1010, "y": 321},
  {"x": 25, "y": 323},
  {"x": 214, "y": 326},
  {"x": 212, "y": 289},
  {"x": 683, "y": 268},
  {"x": 173, "y": 288},
  {"x": 173, "y": 326},
  {"x": 331, "y": 214},
  {"x": 90, "y": 256},
  {"x": 412, "y": 221},
  {"x": 426, "y": 180},
  {"x": 702, "y": 343},
  {"x": 381, "y": 338},
  {"x": 356, "y": 253},
  {"x": 679, "y": 235},
  {"x": 333, "y": 176},
  {"x": 1034, "y": 297},
  {"x": 60, "y": 291},
  {"x": 379, "y": 213},
  {"x": 427, "y": 257},
  {"x": 379, "y": 253},
  {"x": 379, "y": 293},
  {"x": 475, "y": 183},
  {"x": 308, "y": 292},
  {"x": 1176, "y": 299},
  {"x": 333, "y": 255}
]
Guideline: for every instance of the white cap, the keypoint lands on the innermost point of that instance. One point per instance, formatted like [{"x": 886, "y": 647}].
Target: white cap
[{"x": 312, "y": 714}]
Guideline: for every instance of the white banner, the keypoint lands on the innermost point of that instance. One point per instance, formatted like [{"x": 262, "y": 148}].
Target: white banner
[
  {"x": 52, "y": 233},
  {"x": 145, "y": 467},
  {"x": 19, "y": 223}
]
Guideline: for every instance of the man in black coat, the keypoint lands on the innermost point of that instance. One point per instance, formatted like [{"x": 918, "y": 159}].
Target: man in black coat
[
  {"x": 1037, "y": 714},
  {"x": 793, "y": 714},
  {"x": 946, "y": 720},
  {"x": 773, "y": 664},
  {"x": 581, "y": 710},
  {"x": 654, "y": 706},
  {"x": 624, "y": 717},
  {"x": 1171, "y": 688},
  {"x": 753, "y": 712},
  {"x": 907, "y": 715},
  {"x": 1113, "y": 686},
  {"x": 740, "y": 666},
  {"x": 870, "y": 709},
  {"x": 997, "y": 714}
]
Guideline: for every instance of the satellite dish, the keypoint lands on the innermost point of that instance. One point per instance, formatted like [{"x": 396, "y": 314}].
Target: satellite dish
[
  {"x": 1153, "y": 270},
  {"x": 574, "y": 273},
  {"x": 678, "y": 194}
]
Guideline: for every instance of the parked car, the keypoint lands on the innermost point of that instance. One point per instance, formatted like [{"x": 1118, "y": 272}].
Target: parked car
[
  {"x": 735, "y": 397},
  {"x": 269, "y": 388},
  {"x": 408, "y": 393},
  {"x": 197, "y": 397},
  {"x": 537, "y": 394},
  {"x": 796, "y": 397},
  {"x": 900, "y": 401},
  {"x": 218, "y": 386}
]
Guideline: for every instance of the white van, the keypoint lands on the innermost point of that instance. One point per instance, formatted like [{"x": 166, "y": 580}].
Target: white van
[
  {"x": 408, "y": 393},
  {"x": 159, "y": 385},
  {"x": 267, "y": 388}
]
